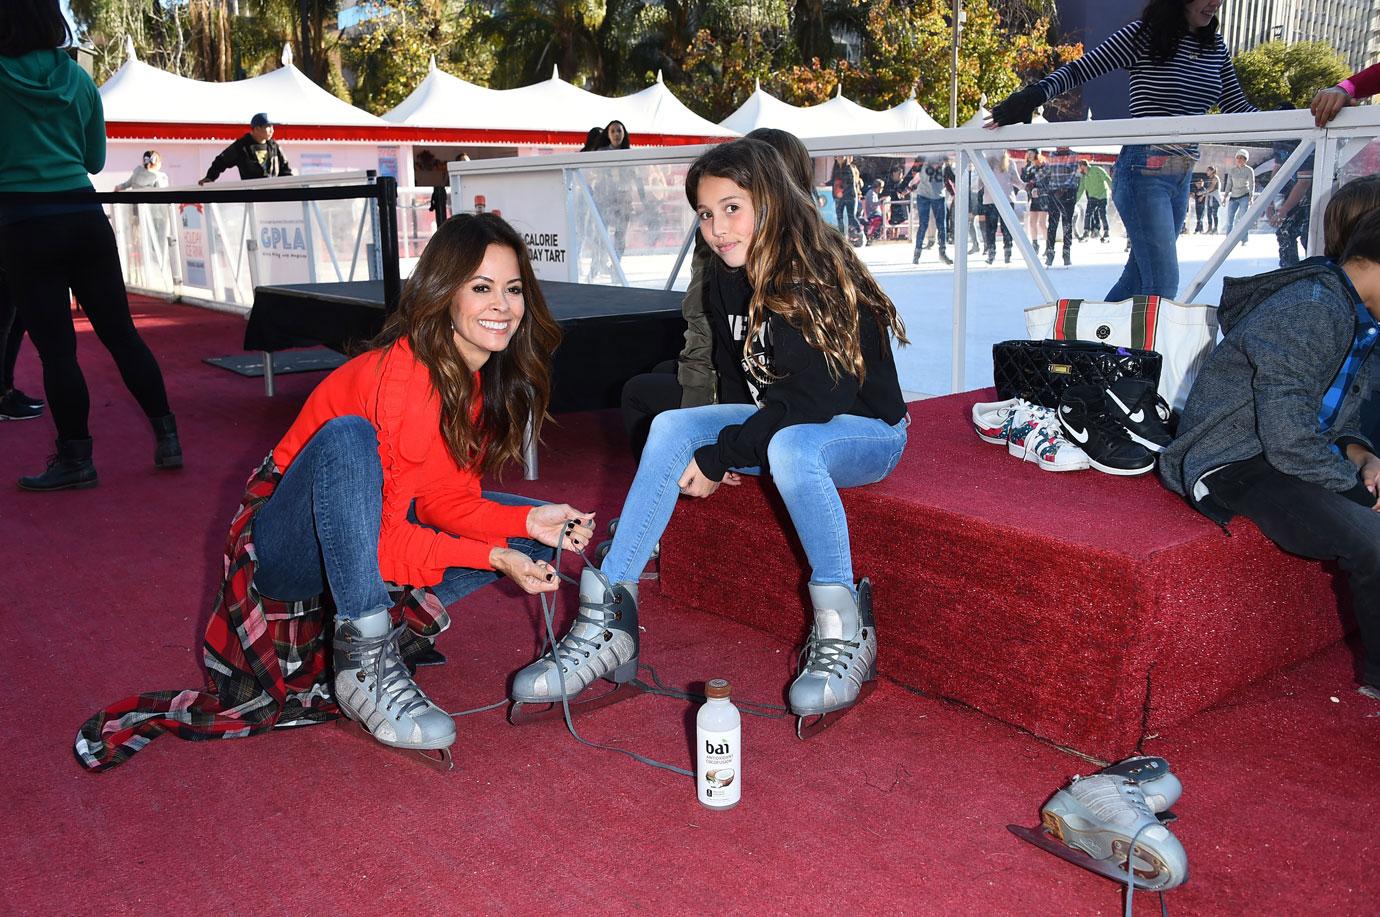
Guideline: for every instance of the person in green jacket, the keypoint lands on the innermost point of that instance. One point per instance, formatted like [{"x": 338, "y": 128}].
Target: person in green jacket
[
  {"x": 53, "y": 246},
  {"x": 1096, "y": 184}
]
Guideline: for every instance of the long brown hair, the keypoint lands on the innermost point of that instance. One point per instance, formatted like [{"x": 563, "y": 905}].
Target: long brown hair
[
  {"x": 799, "y": 166},
  {"x": 798, "y": 266},
  {"x": 515, "y": 382},
  {"x": 1349, "y": 204}
]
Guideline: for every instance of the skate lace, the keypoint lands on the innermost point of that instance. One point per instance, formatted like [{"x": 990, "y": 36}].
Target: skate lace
[
  {"x": 830, "y": 655},
  {"x": 1130, "y": 874},
  {"x": 379, "y": 660},
  {"x": 548, "y": 610},
  {"x": 570, "y": 648},
  {"x": 1110, "y": 804}
]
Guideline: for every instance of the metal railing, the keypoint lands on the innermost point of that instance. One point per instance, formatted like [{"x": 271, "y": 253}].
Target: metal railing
[
  {"x": 213, "y": 245},
  {"x": 569, "y": 199}
]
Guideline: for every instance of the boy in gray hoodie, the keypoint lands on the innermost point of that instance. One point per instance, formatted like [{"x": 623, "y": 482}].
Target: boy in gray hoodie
[{"x": 1269, "y": 431}]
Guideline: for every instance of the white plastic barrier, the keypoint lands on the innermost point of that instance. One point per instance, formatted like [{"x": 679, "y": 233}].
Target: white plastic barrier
[
  {"x": 215, "y": 253},
  {"x": 621, "y": 217}
]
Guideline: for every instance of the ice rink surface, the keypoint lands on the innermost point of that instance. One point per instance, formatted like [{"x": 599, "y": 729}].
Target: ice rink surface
[{"x": 998, "y": 294}]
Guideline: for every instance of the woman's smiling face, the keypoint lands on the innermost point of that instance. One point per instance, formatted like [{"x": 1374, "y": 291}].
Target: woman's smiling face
[{"x": 487, "y": 308}]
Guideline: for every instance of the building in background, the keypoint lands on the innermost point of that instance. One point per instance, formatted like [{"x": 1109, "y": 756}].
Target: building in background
[
  {"x": 1091, "y": 21},
  {"x": 1350, "y": 26}
]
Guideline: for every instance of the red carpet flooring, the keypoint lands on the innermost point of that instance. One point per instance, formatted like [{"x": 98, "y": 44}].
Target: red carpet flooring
[
  {"x": 1118, "y": 609},
  {"x": 901, "y": 808}
]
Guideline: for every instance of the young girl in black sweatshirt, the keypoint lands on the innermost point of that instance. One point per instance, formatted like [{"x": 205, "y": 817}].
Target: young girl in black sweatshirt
[{"x": 813, "y": 402}]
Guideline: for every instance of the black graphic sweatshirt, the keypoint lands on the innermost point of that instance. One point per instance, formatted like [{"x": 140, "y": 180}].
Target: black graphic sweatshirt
[{"x": 804, "y": 393}]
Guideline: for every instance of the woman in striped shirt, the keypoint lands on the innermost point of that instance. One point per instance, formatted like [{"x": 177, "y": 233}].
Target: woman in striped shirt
[{"x": 1179, "y": 67}]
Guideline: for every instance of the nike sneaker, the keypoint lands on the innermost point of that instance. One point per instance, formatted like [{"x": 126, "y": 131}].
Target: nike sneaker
[
  {"x": 992, "y": 420},
  {"x": 1034, "y": 437},
  {"x": 1088, "y": 423},
  {"x": 1137, "y": 406}
]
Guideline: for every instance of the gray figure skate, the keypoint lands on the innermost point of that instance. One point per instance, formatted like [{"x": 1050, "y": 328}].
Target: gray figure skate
[
  {"x": 601, "y": 644},
  {"x": 374, "y": 689},
  {"x": 1096, "y": 821},
  {"x": 841, "y": 658}
]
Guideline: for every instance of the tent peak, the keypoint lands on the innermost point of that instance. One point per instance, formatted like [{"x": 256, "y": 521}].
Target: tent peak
[
  {"x": 130, "y": 54},
  {"x": 839, "y": 93},
  {"x": 555, "y": 71},
  {"x": 658, "y": 76},
  {"x": 431, "y": 64},
  {"x": 759, "y": 85},
  {"x": 287, "y": 54}
]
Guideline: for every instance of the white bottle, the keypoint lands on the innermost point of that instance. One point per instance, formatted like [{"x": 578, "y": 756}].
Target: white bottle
[{"x": 719, "y": 756}]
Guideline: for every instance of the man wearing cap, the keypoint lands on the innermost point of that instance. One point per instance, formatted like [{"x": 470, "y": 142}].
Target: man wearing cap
[
  {"x": 1239, "y": 186},
  {"x": 255, "y": 154}
]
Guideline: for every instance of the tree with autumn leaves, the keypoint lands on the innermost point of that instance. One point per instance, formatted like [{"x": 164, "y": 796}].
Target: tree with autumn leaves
[{"x": 711, "y": 52}]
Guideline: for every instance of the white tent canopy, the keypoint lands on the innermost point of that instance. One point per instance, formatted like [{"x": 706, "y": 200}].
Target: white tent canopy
[
  {"x": 140, "y": 93},
  {"x": 911, "y": 116},
  {"x": 447, "y": 102},
  {"x": 837, "y": 117}
]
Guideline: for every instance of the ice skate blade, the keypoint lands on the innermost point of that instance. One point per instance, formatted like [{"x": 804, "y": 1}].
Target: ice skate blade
[
  {"x": 809, "y": 725},
  {"x": 438, "y": 759},
  {"x": 1108, "y": 869},
  {"x": 524, "y": 713}
]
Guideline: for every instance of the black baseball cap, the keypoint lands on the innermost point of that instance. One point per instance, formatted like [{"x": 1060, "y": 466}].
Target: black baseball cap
[{"x": 260, "y": 120}]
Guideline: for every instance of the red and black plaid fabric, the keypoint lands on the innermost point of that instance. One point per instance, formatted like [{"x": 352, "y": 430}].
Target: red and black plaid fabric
[{"x": 267, "y": 662}]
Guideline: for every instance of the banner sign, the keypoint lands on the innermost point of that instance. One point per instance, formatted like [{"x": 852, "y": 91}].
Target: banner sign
[{"x": 534, "y": 203}]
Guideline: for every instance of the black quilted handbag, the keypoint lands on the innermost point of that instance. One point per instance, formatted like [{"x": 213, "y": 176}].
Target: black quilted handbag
[{"x": 1039, "y": 371}]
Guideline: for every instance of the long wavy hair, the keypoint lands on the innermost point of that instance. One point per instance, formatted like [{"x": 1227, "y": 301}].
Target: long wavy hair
[
  {"x": 1167, "y": 25},
  {"x": 515, "y": 383},
  {"x": 798, "y": 267}
]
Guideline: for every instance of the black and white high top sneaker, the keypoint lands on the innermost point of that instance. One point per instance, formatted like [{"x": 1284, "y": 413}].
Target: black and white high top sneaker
[
  {"x": 1135, "y": 404},
  {"x": 1086, "y": 421}
]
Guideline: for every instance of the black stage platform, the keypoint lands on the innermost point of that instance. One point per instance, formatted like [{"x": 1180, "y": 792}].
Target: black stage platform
[{"x": 611, "y": 333}]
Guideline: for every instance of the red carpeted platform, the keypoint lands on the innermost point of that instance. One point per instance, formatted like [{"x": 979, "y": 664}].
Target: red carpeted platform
[
  {"x": 901, "y": 808},
  {"x": 1092, "y": 610}
]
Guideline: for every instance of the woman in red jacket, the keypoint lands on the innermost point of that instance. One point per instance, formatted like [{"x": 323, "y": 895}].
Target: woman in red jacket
[{"x": 381, "y": 470}]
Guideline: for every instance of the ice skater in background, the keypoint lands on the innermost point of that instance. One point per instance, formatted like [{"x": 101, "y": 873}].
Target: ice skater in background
[
  {"x": 812, "y": 401},
  {"x": 1179, "y": 67}
]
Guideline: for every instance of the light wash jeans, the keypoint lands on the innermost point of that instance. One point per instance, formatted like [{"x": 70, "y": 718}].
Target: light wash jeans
[
  {"x": 324, "y": 517},
  {"x": 1236, "y": 206},
  {"x": 807, "y": 462},
  {"x": 1153, "y": 201}
]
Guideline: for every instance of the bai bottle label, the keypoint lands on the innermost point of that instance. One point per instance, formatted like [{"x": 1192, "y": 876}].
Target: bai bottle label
[{"x": 718, "y": 733}]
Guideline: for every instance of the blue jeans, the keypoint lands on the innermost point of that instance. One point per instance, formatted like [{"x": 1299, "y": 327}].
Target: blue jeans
[
  {"x": 924, "y": 206},
  {"x": 1235, "y": 207},
  {"x": 807, "y": 462},
  {"x": 321, "y": 527},
  {"x": 1150, "y": 192}
]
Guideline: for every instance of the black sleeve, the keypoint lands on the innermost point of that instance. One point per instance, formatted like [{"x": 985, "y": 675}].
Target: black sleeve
[
  {"x": 283, "y": 167},
  {"x": 805, "y": 394},
  {"x": 224, "y": 160}
]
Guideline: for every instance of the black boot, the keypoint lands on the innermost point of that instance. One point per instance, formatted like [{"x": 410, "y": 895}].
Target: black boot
[
  {"x": 167, "y": 452},
  {"x": 944, "y": 256},
  {"x": 70, "y": 467}
]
